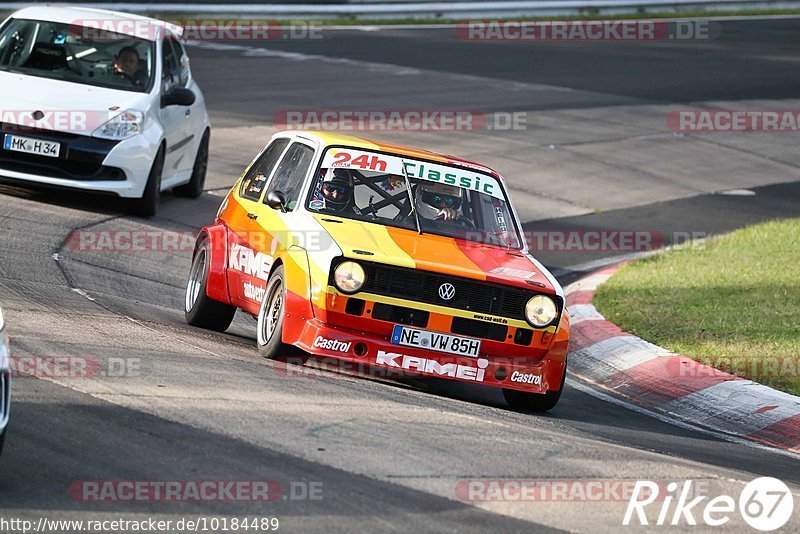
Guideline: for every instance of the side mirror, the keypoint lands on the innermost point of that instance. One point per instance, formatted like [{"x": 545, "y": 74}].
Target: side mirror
[
  {"x": 276, "y": 200},
  {"x": 178, "y": 96}
]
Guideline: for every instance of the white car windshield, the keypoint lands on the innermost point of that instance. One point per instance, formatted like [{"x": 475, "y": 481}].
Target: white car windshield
[
  {"x": 440, "y": 208},
  {"x": 77, "y": 54}
]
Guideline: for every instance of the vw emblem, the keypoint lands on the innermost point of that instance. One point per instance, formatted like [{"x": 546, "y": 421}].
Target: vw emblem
[
  {"x": 447, "y": 291},
  {"x": 37, "y": 115}
]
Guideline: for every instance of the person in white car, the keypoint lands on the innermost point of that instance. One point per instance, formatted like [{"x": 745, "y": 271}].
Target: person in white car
[{"x": 126, "y": 64}]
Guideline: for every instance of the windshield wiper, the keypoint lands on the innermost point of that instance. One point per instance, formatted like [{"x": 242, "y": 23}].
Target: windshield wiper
[{"x": 411, "y": 199}]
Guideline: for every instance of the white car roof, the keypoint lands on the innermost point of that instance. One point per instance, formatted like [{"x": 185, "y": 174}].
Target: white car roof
[{"x": 72, "y": 15}]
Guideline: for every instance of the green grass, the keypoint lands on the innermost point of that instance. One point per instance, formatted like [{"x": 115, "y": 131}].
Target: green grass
[{"x": 732, "y": 302}]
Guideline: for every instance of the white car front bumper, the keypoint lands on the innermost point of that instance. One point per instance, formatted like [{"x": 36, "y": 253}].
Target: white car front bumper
[{"x": 120, "y": 168}]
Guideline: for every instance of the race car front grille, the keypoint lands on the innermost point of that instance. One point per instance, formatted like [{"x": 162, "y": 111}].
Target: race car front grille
[
  {"x": 423, "y": 286},
  {"x": 399, "y": 314},
  {"x": 482, "y": 329}
]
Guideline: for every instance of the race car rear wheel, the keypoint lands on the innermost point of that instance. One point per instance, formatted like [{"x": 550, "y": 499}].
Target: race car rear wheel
[
  {"x": 200, "y": 310},
  {"x": 194, "y": 188},
  {"x": 148, "y": 204},
  {"x": 534, "y": 402},
  {"x": 270, "y": 320}
]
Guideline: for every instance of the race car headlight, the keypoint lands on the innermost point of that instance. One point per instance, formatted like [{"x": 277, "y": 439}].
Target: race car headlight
[
  {"x": 541, "y": 310},
  {"x": 349, "y": 277},
  {"x": 125, "y": 125}
]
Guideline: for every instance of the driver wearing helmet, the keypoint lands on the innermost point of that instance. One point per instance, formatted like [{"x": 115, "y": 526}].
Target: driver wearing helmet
[
  {"x": 336, "y": 191},
  {"x": 436, "y": 201}
]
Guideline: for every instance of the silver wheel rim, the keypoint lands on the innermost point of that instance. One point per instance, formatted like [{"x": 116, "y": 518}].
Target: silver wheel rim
[
  {"x": 271, "y": 312},
  {"x": 196, "y": 277}
]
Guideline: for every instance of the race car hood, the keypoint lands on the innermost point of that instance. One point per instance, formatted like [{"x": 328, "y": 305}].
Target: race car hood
[
  {"x": 429, "y": 252},
  {"x": 67, "y": 107}
]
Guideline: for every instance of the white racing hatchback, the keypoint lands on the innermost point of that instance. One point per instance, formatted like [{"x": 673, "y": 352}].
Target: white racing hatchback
[{"x": 100, "y": 101}]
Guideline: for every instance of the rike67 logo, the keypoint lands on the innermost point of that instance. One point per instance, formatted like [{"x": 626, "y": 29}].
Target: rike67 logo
[{"x": 765, "y": 504}]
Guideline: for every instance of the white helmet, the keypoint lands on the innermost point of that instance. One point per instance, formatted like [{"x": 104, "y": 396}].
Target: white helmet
[{"x": 432, "y": 198}]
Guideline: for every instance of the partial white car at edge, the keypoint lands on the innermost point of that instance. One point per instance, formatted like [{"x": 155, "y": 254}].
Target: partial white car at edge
[
  {"x": 5, "y": 381},
  {"x": 100, "y": 101}
]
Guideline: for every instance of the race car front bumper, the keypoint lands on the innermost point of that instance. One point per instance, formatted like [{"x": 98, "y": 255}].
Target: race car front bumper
[{"x": 393, "y": 361}]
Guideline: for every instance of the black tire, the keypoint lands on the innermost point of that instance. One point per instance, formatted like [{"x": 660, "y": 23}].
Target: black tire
[
  {"x": 270, "y": 322},
  {"x": 147, "y": 206},
  {"x": 199, "y": 309},
  {"x": 2, "y": 441},
  {"x": 194, "y": 188},
  {"x": 534, "y": 402}
]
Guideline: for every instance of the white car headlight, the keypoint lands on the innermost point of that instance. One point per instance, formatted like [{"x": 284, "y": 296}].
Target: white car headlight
[
  {"x": 349, "y": 277},
  {"x": 125, "y": 125},
  {"x": 541, "y": 310}
]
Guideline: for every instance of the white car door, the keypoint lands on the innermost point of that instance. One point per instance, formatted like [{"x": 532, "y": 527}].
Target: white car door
[{"x": 179, "y": 130}]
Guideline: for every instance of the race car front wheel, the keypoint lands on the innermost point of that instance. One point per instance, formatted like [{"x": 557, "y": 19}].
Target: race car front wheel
[
  {"x": 200, "y": 310},
  {"x": 270, "y": 320},
  {"x": 534, "y": 402}
]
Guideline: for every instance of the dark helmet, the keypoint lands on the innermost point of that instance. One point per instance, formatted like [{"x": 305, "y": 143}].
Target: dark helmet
[{"x": 337, "y": 189}]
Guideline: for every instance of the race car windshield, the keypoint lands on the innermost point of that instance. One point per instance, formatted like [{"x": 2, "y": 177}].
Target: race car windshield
[
  {"x": 77, "y": 54},
  {"x": 442, "y": 209}
]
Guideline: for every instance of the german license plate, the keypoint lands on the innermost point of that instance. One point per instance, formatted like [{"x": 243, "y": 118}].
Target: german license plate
[
  {"x": 27, "y": 145},
  {"x": 424, "y": 339}
]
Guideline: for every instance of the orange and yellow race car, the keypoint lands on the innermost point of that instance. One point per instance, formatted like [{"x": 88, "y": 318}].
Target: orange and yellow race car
[{"x": 394, "y": 258}]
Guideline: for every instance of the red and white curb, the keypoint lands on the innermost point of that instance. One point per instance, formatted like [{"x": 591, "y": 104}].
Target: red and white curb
[{"x": 667, "y": 384}]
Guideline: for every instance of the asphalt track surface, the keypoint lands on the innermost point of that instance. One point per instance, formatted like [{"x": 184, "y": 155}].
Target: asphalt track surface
[{"x": 388, "y": 454}]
